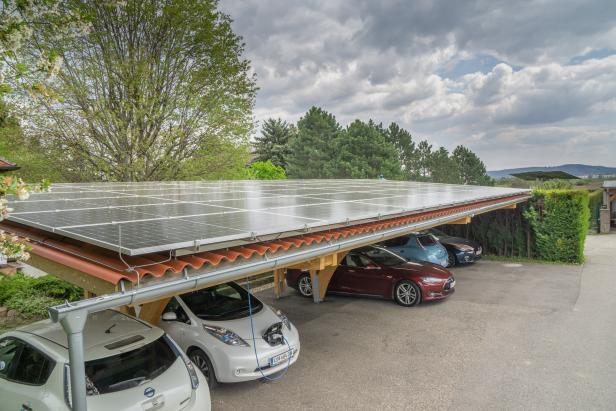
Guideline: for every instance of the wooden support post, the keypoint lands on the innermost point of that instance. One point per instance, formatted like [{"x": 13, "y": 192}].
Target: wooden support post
[
  {"x": 128, "y": 310},
  {"x": 279, "y": 281},
  {"x": 151, "y": 312},
  {"x": 314, "y": 279},
  {"x": 88, "y": 294}
]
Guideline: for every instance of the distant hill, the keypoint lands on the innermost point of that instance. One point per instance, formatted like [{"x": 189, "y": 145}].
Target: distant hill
[{"x": 579, "y": 170}]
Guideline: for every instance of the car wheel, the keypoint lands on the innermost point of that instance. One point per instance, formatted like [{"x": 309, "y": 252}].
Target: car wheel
[
  {"x": 200, "y": 359},
  {"x": 407, "y": 293},
  {"x": 304, "y": 285},
  {"x": 451, "y": 259}
]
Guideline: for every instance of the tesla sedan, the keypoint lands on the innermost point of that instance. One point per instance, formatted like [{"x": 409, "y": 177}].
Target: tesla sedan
[
  {"x": 375, "y": 271},
  {"x": 459, "y": 250}
]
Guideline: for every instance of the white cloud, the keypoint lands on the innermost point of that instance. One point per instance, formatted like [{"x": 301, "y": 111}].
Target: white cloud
[{"x": 384, "y": 60}]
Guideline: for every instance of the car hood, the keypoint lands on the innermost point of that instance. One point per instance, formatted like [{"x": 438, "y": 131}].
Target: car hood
[
  {"x": 423, "y": 269},
  {"x": 241, "y": 326}
]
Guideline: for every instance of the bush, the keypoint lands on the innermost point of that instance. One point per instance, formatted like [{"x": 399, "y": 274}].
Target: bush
[
  {"x": 266, "y": 170},
  {"x": 559, "y": 219},
  {"x": 32, "y": 296}
]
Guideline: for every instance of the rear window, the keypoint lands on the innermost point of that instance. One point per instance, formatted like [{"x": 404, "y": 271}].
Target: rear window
[
  {"x": 221, "y": 302},
  {"x": 129, "y": 369},
  {"x": 396, "y": 242},
  {"x": 426, "y": 240}
]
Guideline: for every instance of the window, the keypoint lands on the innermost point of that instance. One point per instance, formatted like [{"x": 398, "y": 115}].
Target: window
[
  {"x": 221, "y": 302},
  {"x": 9, "y": 350},
  {"x": 384, "y": 257},
  {"x": 175, "y": 307},
  {"x": 396, "y": 242},
  {"x": 33, "y": 367},
  {"x": 352, "y": 260},
  {"x": 426, "y": 240},
  {"x": 23, "y": 363},
  {"x": 129, "y": 369}
]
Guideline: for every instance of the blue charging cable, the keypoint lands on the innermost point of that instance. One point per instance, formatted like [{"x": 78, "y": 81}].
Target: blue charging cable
[{"x": 254, "y": 345}]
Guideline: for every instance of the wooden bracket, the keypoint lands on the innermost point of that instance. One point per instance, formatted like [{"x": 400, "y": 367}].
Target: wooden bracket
[
  {"x": 463, "y": 220},
  {"x": 279, "y": 281},
  {"x": 152, "y": 311}
]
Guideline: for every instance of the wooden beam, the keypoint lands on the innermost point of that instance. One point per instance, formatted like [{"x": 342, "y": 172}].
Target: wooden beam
[
  {"x": 128, "y": 310},
  {"x": 509, "y": 207},
  {"x": 80, "y": 279},
  {"x": 463, "y": 220},
  {"x": 152, "y": 311}
]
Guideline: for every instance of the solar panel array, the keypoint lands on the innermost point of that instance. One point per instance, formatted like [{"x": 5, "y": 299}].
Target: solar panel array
[{"x": 139, "y": 218}]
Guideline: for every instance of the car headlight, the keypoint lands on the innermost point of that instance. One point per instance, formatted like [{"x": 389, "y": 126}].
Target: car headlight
[
  {"x": 284, "y": 319},
  {"x": 431, "y": 280},
  {"x": 466, "y": 248},
  {"x": 226, "y": 336}
]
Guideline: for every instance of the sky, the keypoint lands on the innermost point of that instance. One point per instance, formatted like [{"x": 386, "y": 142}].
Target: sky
[{"x": 521, "y": 83}]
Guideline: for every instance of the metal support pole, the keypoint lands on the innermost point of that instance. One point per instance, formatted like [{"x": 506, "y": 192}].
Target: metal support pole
[{"x": 73, "y": 324}]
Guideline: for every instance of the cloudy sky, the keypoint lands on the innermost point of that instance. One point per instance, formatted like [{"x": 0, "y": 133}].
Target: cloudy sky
[{"x": 520, "y": 83}]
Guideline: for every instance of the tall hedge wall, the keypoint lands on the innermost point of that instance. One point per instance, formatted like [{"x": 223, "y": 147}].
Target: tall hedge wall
[
  {"x": 559, "y": 219},
  {"x": 551, "y": 226}
]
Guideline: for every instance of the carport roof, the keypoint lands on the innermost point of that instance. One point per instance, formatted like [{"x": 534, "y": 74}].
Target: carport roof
[
  {"x": 609, "y": 184},
  {"x": 113, "y": 267}
]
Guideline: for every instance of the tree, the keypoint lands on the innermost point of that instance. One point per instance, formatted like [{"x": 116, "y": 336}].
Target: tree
[
  {"x": 422, "y": 162},
  {"x": 362, "y": 151},
  {"x": 470, "y": 168},
  {"x": 217, "y": 159},
  {"x": 147, "y": 88},
  {"x": 312, "y": 150},
  {"x": 35, "y": 161},
  {"x": 442, "y": 167},
  {"x": 405, "y": 147},
  {"x": 265, "y": 170},
  {"x": 273, "y": 144}
]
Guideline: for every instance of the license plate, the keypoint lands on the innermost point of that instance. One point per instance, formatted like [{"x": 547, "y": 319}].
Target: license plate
[{"x": 277, "y": 359}]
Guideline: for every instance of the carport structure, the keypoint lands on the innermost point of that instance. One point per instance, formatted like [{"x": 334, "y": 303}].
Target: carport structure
[
  {"x": 608, "y": 211},
  {"x": 135, "y": 245}
]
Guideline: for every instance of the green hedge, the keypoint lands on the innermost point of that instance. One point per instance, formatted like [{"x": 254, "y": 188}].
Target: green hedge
[
  {"x": 551, "y": 226},
  {"x": 560, "y": 220}
]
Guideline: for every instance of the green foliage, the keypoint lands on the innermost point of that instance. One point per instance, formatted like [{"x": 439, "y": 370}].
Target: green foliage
[
  {"x": 555, "y": 185},
  {"x": 404, "y": 145},
  {"x": 273, "y": 143},
  {"x": 311, "y": 151},
  {"x": 35, "y": 161},
  {"x": 471, "y": 169},
  {"x": 362, "y": 151},
  {"x": 148, "y": 87},
  {"x": 442, "y": 167},
  {"x": 266, "y": 170},
  {"x": 32, "y": 296},
  {"x": 559, "y": 219},
  {"x": 217, "y": 159}
]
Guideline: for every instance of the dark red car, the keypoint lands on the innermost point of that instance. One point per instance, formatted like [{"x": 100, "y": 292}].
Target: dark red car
[{"x": 376, "y": 271}]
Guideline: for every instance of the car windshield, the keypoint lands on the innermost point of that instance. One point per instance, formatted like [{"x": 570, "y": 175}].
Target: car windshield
[
  {"x": 129, "y": 369},
  {"x": 426, "y": 240},
  {"x": 221, "y": 302},
  {"x": 384, "y": 257}
]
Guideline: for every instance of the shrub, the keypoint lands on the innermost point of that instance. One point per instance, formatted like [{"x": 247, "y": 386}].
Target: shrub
[
  {"x": 266, "y": 170},
  {"x": 559, "y": 220},
  {"x": 32, "y": 296}
]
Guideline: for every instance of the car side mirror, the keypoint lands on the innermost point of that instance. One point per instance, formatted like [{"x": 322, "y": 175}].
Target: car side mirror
[{"x": 170, "y": 316}]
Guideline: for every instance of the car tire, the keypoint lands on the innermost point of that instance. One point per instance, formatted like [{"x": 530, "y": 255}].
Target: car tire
[
  {"x": 407, "y": 293},
  {"x": 451, "y": 259},
  {"x": 203, "y": 363},
  {"x": 304, "y": 285}
]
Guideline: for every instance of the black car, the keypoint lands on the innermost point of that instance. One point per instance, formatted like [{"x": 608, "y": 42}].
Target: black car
[{"x": 459, "y": 250}]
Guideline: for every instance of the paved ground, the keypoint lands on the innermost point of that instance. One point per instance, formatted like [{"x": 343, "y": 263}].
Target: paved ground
[{"x": 514, "y": 337}]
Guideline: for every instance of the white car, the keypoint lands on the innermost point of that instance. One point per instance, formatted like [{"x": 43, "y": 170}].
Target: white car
[
  {"x": 130, "y": 365},
  {"x": 213, "y": 326}
]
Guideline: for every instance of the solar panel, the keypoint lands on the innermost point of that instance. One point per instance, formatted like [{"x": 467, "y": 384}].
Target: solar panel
[{"x": 139, "y": 218}]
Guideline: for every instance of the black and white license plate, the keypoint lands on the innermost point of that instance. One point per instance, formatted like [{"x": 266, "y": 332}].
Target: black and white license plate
[{"x": 280, "y": 358}]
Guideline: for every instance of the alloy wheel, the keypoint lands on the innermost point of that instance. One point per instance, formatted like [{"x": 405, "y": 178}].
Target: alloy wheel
[
  {"x": 305, "y": 286},
  {"x": 202, "y": 364},
  {"x": 406, "y": 293}
]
